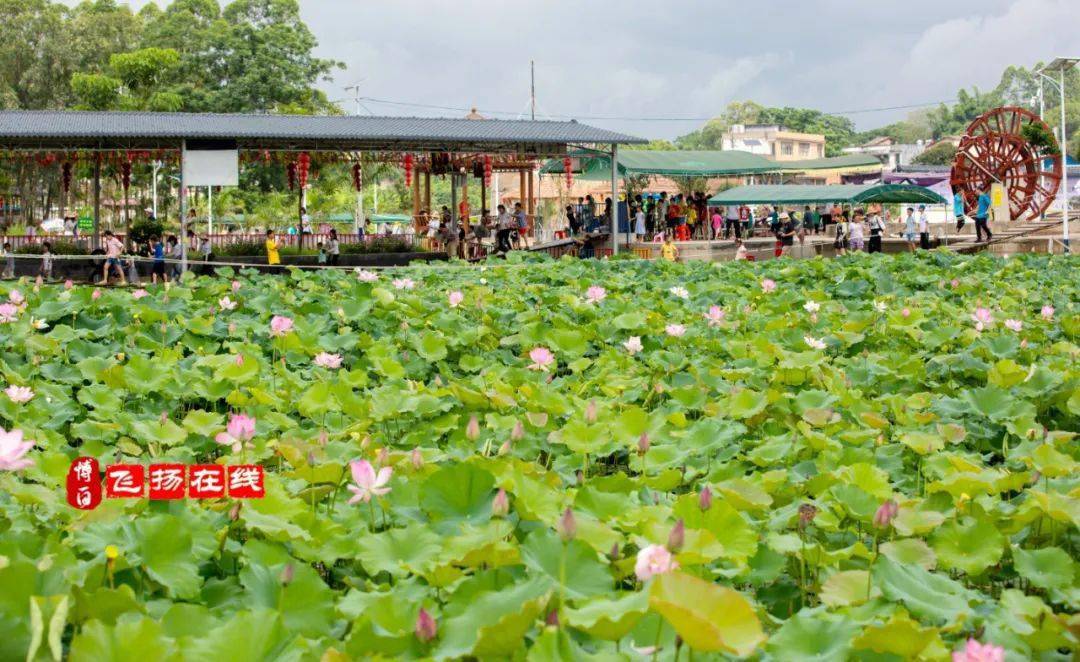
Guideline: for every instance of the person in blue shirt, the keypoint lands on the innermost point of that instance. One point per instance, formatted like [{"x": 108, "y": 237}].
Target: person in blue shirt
[
  {"x": 981, "y": 214},
  {"x": 158, "y": 249},
  {"x": 958, "y": 209}
]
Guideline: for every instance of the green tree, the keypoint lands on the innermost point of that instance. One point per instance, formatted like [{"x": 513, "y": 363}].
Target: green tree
[
  {"x": 839, "y": 131},
  {"x": 710, "y": 136},
  {"x": 138, "y": 80},
  {"x": 939, "y": 154},
  {"x": 35, "y": 65}
]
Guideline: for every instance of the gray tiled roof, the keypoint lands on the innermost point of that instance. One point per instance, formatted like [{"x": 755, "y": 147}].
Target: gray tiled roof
[{"x": 85, "y": 127}]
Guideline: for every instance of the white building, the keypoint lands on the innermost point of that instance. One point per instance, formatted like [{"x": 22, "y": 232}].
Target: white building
[{"x": 891, "y": 154}]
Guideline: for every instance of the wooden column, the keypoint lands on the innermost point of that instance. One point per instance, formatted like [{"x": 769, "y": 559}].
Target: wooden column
[
  {"x": 530, "y": 209},
  {"x": 465, "y": 198},
  {"x": 427, "y": 191},
  {"x": 522, "y": 188}
]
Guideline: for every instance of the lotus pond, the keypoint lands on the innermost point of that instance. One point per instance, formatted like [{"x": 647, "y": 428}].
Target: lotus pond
[{"x": 865, "y": 458}]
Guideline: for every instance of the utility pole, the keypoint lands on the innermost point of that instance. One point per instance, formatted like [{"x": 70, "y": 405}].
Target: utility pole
[
  {"x": 355, "y": 87},
  {"x": 532, "y": 87}
]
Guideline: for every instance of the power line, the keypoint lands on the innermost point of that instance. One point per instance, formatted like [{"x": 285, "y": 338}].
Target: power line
[{"x": 629, "y": 118}]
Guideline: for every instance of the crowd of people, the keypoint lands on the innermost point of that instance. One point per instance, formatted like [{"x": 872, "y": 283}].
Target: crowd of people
[{"x": 508, "y": 228}]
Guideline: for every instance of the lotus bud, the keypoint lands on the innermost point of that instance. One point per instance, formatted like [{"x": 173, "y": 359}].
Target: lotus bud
[
  {"x": 567, "y": 526},
  {"x": 658, "y": 388},
  {"x": 341, "y": 313},
  {"x": 705, "y": 498},
  {"x": 365, "y": 442},
  {"x": 504, "y": 448},
  {"x": 234, "y": 512},
  {"x": 232, "y": 328},
  {"x": 613, "y": 553},
  {"x": 383, "y": 456},
  {"x": 323, "y": 437},
  {"x": 287, "y": 574},
  {"x": 417, "y": 459},
  {"x": 239, "y": 360},
  {"x": 405, "y": 356},
  {"x": 311, "y": 458},
  {"x": 472, "y": 430},
  {"x": 552, "y": 619},
  {"x": 807, "y": 513},
  {"x": 579, "y": 476},
  {"x": 518, "y": 432},
  {"x": 590, "y": 412},
  {"x": 425, "y": 628},
  {"x": 500, "y": 505},
  {"x": 677, "y": 536},
  {"x": 885, "y": 514},
  {"x": 438, "y": 380},
  {"x": 164, "y": 417},
  {"x": 643, "y": 443}
]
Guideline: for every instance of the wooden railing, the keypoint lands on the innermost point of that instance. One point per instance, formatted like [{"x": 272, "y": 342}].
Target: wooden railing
[{"x": 218, "y": 241}]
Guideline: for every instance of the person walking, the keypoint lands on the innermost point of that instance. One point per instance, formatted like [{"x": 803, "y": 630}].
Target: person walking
[
  {"x": 176, "y": 254},
  {"x": 113, "y": 249},
  {"x": 876, "y": 230},
  {"x": 982, "y": 213},
  {"x": 157, "y": 250},
  {"x": 855, "y": 232},
  {"x": 273, "y": 257},
  {"x": 731, "y": 222},
  {"x": 333, "y": 248},
  {"x": 909, "y": 229},
  {"x": 521, "y": 225},
  {"x": 924, "y": 228},
  {"x": 504, "y": 226},
  {"x": 958, "y": 209}
]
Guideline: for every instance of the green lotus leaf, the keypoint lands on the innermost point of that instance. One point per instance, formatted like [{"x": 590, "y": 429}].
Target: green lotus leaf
[
  {"x": 807, "y": 636},
  {"x": 707, "y": 616}
]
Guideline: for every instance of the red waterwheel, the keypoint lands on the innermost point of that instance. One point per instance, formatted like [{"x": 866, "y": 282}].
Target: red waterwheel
[{"x": 994, "y": 150}]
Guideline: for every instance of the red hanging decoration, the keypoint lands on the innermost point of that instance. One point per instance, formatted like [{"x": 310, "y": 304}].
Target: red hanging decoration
[
  {"x": 356, "y": 176},
  {"x": 302, "y": 169},
  {"x": 65, "y": 176},
  {"x": 408, "y": 170},
  {"x": 125, "y": 176},
  {"x": 568, "y": 168},
  {"x": 290, "y": 173},
  {"x": 487, "y": 171}
]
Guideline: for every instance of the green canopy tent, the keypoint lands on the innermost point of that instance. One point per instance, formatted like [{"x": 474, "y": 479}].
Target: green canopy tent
[
  {"x": 852, "y": 194},
  {"x": 691, "y": 163}
]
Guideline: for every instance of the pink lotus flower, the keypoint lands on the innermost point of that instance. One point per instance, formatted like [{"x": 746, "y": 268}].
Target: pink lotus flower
[
  {"x": 19, "y": 394},
  {"x": 814, "y": 343},
  {"x": 595, "y": 294},
  {"x": 328, "y": 361},
  {"x": 1014, "y": 325},
  {"x": 675, "y": 330},
  {"x": 768, "y": 285},
  {"x": 239, "y": 360},
  {"x": 68, "y": 284},
  {"x": 1047, "y": 312},
  {"x": 403, "y": 283},
  {"x": 982, "y": 317},
  {"x": 13, "y": 450},
  {"x": 715, "y": 315},
  {"x": 16, "y": 297},
  {"x": 455, "y": 298},
  {"x": 906, "y": 312},
  {"x": 955, "y": 283},
  {"x": 96, "y": 294},
  {"x": 541, "y": 358},
  {"x": 8, "y": 313},
  {"x": 976, "y": 652},
  {"x": 280, "y": 325},
  {"x": 367, "y": 482},
  {"x": 633, "y": 345},
  {"x": 366, "y": 276},
  {"x": 654, "y": 560},
  {"x": 425, "y": 628},
  {"x": 241, "y": 428},
  {"x": 885, "y": 514},
  {"x": 235, "y": 286},
  {"x": 500, "y": 505},
  {"x": 226, "y": 303},
  {"x": 680, "y": 292},
  {"x": 139, "y": 293}
]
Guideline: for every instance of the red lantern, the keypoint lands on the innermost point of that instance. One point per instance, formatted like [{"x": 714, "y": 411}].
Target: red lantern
[
  {"x": 290, "y": 172},
  {"x": 408, "y": 170},
  {"x": 303, "y": 167},
  {"x": 487, "y": 171},
  {"x": 356, "y": 176},
  {"x": 568, "y": 168}
]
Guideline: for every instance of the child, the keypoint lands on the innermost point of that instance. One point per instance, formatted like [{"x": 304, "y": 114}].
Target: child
[
  {"x": 322, "y": 254},
  {"x": 639, "y": 224},
  {"x": 9, "y": 261},
  {"x": 717, "y": 223},
  {"x": 740, "y": 250},
  {"x": 669, "y": 251},
  {"x": 46, "y": 261},
  {"x": 157, "y": 249}
]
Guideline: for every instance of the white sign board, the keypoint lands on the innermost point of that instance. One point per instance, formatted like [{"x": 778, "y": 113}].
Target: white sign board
[{"x": 211, "y": 167}]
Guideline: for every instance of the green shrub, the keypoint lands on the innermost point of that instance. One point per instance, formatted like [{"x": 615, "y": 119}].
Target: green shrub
[
  {"x": 249, "y": 248},
  {"x": 58, "y": 248},
  {"x": 142, "y": 230}
]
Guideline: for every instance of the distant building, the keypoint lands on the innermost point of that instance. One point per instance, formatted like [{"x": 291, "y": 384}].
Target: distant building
[
  {"x": 774, "y": 141},
  {"x": 892, "y": 154}
]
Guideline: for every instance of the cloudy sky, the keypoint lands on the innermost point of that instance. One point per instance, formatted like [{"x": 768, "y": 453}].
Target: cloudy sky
[{"x": 680, "y": 58}]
